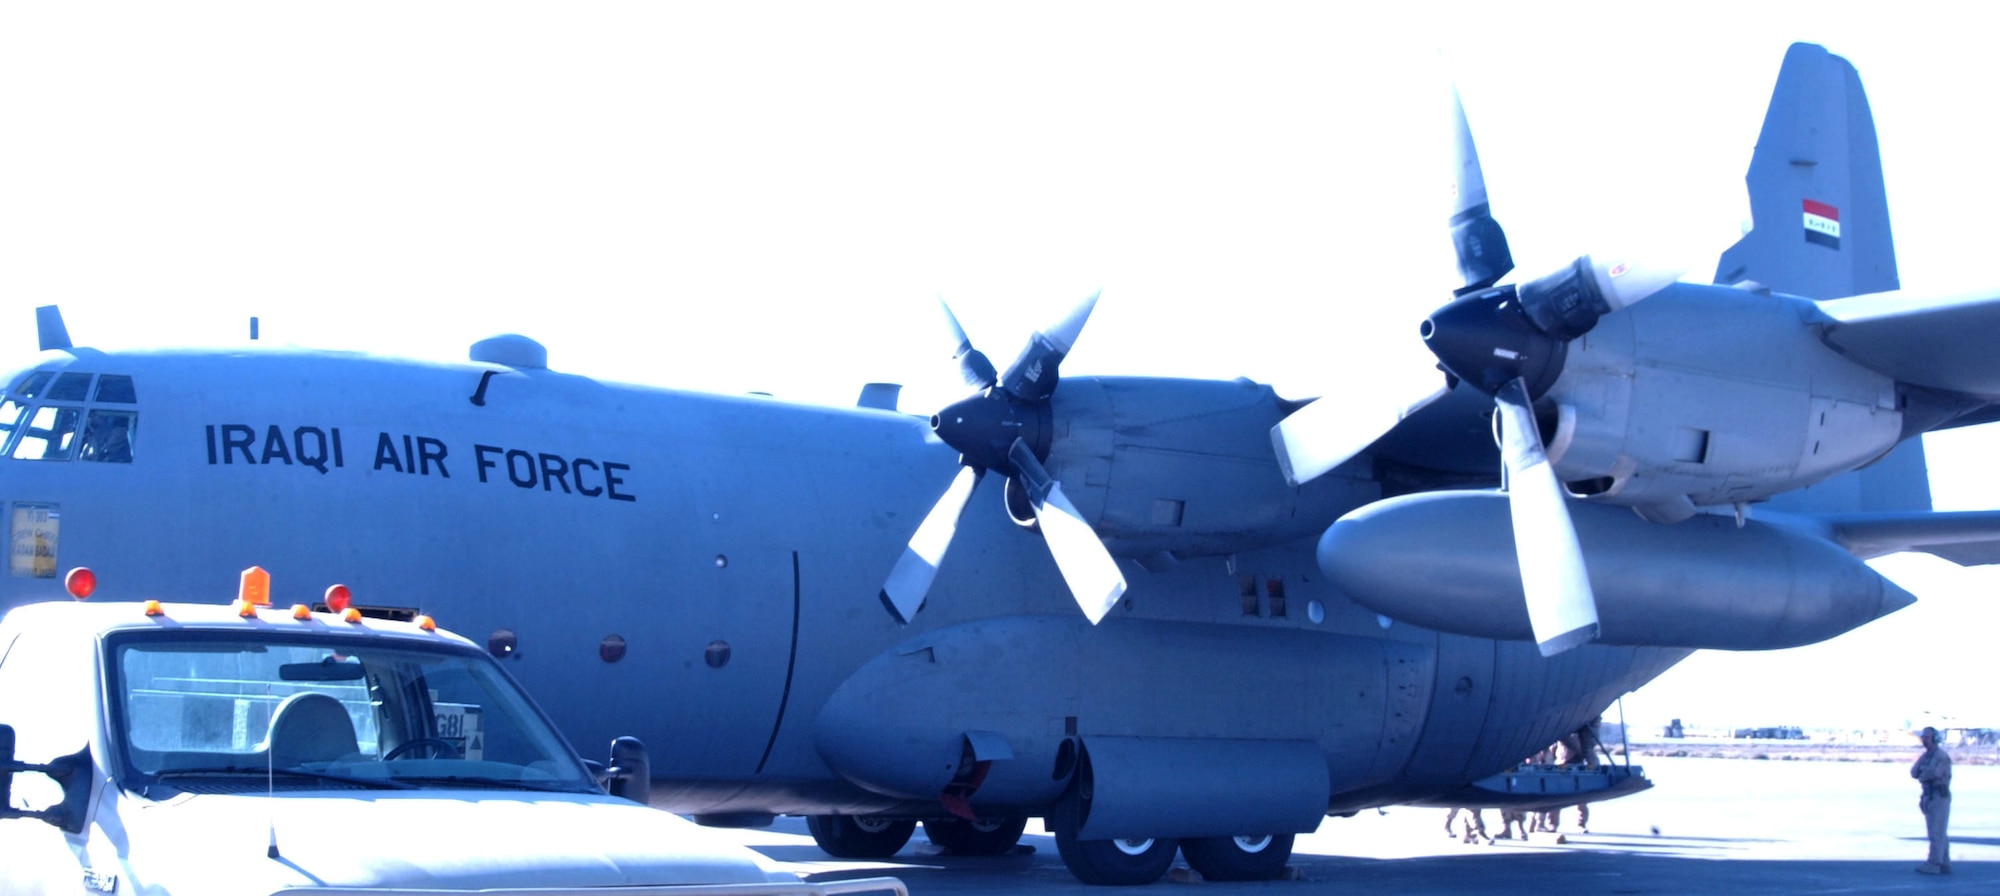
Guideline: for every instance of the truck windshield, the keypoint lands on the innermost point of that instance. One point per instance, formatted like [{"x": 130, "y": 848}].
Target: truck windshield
[{"x": 196, "y": 707}]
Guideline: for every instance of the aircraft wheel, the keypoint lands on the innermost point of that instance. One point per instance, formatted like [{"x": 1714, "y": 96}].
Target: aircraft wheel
[
  {"x": 859, "y": 836},
  {"x": 1238, "y": 858},
  {"x": 985, "y": 837},
  {"x": 1116, "y": 863}
]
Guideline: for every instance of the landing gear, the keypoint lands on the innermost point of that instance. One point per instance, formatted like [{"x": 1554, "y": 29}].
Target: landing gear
[
  {"x": 1116, "y": 863},
  {"x": 1238, "y": 858},
  {"x": 984, "y": 837},
  {"x": 1108, "y": 863},
  {"x": 859, "y": 836}
]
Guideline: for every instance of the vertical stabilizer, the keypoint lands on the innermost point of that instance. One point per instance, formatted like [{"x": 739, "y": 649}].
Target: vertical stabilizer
[
  {"x": 1820, "y": 218},
  {"x": 1819, "y": 212}
]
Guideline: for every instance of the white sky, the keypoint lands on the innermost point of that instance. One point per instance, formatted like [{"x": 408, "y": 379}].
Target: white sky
[{"x": 769, "y": 196}]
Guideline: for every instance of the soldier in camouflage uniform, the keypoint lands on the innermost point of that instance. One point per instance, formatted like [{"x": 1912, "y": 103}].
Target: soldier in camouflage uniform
[{"x": 1933, "y": 771}]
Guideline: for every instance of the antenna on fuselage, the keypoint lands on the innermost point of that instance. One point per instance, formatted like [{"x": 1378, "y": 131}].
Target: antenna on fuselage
[{"x": 49, "y": 328}]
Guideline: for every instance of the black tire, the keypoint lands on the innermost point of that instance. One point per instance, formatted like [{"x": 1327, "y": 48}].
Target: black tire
[
  {"x": 859, "y": 836},
  {"x": 1117, "y": 863},
  {"x": 1238, "y": 858},
  {"x": 1108, "y": 863},
  {"x": 986, "y": 837}
]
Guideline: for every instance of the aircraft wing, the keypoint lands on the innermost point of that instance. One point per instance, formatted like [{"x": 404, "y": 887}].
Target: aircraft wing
[
  {"x": 1967, "y": 538},
  {"x": 1937, "y": 342}
]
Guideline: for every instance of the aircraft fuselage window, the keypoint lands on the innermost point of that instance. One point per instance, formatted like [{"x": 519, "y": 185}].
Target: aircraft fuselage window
[{"x": 31, "y": 540}]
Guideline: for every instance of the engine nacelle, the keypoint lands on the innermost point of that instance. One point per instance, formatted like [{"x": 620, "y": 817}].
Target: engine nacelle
[
  {"x": 1709, "y": 395},
  {"x": 1183, "y": 467},
  {"x": 1446, "y": 561}
]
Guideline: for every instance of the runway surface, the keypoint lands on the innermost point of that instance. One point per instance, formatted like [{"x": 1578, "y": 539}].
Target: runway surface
[{"x": 1739, "y": 827}]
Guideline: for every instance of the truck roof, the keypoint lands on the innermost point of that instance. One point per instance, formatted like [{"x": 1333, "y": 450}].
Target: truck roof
[{"x": 104, "y": 617}]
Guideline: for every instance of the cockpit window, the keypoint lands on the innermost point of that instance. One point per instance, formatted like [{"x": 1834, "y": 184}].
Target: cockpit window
[
  {"x": 107, "y": 437},
  {"x": 49, "y": 434},
  {"x": 116, "y": 389},
  {"x": 57, "y": 415},
  {"x": 69, "y": 387},
  {"x": 11, "y": 412},
  {"x": 32, "y": 384}
]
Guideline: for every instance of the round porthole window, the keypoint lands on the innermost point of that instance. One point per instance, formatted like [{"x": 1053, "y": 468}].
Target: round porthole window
[
  {"x": 717, "y": 654},
  {"x": 501, "y": 643},
  {"x": 611, "y": 649}
]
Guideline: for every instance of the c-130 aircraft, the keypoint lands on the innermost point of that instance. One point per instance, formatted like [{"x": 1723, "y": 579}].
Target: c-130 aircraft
[{"x": 1290, "y": 610}]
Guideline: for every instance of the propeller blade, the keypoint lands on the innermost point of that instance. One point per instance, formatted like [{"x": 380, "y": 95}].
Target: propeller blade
[
  {"x": 1561, "y": 608},
  {"x": 972, "y": 363},
  {"x": 1093, "y": 577},
  {"x": 1323, "y": 435},
  {"x": 1483, "y": 256},
  {"x": 911, "y": 579},
  {"x": 1032, "y": 376}
]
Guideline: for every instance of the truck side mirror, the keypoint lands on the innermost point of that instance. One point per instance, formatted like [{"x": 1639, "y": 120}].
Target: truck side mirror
[
  {"x": 631, "y": 773},
  {"x": 72, "y": 772}
]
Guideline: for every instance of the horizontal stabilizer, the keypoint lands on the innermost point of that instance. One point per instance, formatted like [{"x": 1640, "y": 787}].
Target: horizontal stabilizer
[
  {"x": 1942, "y": 342},
  {"x": 1967, "y": 538}
]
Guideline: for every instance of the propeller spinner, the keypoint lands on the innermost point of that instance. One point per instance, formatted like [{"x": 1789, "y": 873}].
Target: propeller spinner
[
  {"x": 1509, "y": 343},
  {"x": 1006, "y": 428}
]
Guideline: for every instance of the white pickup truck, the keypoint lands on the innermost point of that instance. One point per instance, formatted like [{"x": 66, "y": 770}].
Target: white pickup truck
[{"x": 194, "y": 749}]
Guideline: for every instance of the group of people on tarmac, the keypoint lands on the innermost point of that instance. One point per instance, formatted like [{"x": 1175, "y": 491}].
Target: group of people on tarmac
[
  {"x": 1932, "y": 772},
  {"x": 1579, "y": 747}
]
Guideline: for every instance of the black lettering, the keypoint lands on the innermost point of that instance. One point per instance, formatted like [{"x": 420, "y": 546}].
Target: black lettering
[
  {"x": 611, "y": 482},
  {"x": 410, "y": 455},
  {"x": 524, "y": 480},
  {"x": 211, "y": 443},
  {"x": 426, "y": 454},
  {"x": 385, "y": 453},
  {"x": 555, "y": 471},
  {"x": 310, "y": 452},
  {"x": 339, "y": 460},
  {"x": 237, "y": 437},
  {"x": 586, "y": 491},
  {"x": 274, "y": 446},
  {"x": 481, "y": 461}
]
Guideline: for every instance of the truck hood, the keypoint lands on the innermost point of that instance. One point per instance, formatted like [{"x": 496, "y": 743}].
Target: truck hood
[{"x": 420, "y": 840}]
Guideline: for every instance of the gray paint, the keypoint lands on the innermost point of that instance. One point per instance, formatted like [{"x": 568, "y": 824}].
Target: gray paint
[{"x": 1705, "y": 582}]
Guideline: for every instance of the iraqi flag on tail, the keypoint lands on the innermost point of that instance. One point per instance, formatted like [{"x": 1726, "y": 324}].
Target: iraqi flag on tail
[{"x": 1822, "y": 224}]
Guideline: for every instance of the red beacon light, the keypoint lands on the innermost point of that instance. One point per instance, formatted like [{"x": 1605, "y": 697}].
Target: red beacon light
[
  {"x": 338, "y": 598},
  {"x": 80, "y": 583}
]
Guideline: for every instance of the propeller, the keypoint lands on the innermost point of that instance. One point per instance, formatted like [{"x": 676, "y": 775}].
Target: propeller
[
  {"x": 1006, "y": 428},
  {"x": 1509, "y": 343}
]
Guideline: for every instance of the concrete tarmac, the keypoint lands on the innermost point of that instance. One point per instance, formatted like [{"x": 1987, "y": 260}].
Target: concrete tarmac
[{"x": 1740, "y": 827}]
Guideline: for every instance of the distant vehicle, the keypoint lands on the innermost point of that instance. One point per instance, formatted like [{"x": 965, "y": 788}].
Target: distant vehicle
[
  {"x": 1782, "y": 732},
  {"x": 178, "y": 748}
]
